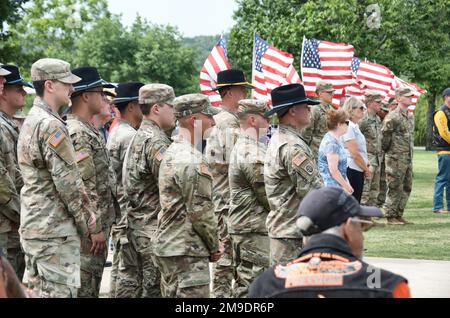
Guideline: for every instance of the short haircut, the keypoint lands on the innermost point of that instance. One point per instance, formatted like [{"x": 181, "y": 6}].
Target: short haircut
[
  {"x": 39, "y": 88},
  {"x": 121, "y": 107},
  {"x": 223, "y": 91},
  {"x": 335, "y": 117},
  {"x": 145, "y": 109}
]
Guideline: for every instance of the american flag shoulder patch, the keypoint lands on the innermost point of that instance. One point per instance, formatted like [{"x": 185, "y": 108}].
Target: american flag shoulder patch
[
  {"x": 298, "y": 160},
  {"x": 56, "y": 139},
  {"x": 160, "y": 154},
  {"x": 81, "y": 155}
]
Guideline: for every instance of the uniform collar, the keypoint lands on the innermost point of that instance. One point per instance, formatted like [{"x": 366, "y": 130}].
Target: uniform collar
[
  {"x": 326, "y": 107},
  {"x": 9, "y": 120},
  {"x": 38, "y": 102},
  {"x": 290, "y": 129},
  {"x": 88, "y": 124},
  {"x": 327, "y": 243}
]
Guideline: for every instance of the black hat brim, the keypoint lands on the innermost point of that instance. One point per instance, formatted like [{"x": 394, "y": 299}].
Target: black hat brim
[
  {"x": 100, "y": 83},
  {"x": 246, "y": 85},
  {"x": 121, "y": 100},
  {"x": 20, "y": 82},
  {"x": 279, "y": 108}
]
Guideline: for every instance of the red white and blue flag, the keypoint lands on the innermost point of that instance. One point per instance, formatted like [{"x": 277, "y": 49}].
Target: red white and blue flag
[{"x": 216, "y": 62}]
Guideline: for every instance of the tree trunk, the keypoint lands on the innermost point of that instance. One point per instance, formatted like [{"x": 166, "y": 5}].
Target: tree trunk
[{"x": 431, "y": 109}]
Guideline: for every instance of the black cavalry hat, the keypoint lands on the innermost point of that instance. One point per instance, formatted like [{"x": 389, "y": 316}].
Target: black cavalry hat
[
  {"x": 289, "y": 95},
  {"x": 127, "y": 92},
  {"x": 90, "y": 78},
  {"x": 14, "y": 77},
  {"x": 232, "y": 78}
]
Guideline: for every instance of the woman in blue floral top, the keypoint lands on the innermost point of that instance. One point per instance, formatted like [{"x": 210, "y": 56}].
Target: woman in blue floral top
[{"x": 332, "y": 159}]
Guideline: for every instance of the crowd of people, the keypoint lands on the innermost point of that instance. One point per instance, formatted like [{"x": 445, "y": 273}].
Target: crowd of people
[{"x": 178, "y": 184}]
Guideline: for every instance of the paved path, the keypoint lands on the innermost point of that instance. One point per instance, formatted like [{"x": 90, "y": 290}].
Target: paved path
[{"x": 427, "y": 279}]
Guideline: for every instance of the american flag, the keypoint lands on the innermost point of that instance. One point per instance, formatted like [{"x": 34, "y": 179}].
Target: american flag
[
  {"x": 374, "y": 77},
  {"x": 271, "y": 68},
  {"x": 322, "y": 60},
  {"x": 216, "y": 62},
  {"x": 398, "y": 83}
]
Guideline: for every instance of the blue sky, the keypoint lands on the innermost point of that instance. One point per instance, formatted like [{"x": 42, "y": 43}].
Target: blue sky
[{"x": 192, "y": 17}]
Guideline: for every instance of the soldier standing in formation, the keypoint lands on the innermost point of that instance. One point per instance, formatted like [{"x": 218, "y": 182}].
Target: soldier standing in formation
[
  {"x": 290, "y": 171},
  {"x": 314, "y": 132},
  {"x": 248, "y": 201},
  {"x": 52, "y": 218},
  {"x": 126, "y": 102},
  {"x": 140, "y": 180},
  {"x": 187, "y": 235},
  {"x": 381, "y": 197},
  {"x": 95, "y": 167},
  {"x": 11, "y": 100},
  {"x": 232, "y": 87},
  {"x": 398, "y": 144},
  {"x": 370, "y": 127}
]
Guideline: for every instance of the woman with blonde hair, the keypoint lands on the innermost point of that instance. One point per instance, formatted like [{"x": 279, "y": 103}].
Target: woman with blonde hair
[
  {"x": 355, "y": 144},
  {"x": 332, "y": 157}
]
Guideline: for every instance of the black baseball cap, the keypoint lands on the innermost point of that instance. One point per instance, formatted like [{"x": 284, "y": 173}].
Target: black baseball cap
[
  {"x": 328, "y": 207},
  {"x": 446, "y": 92}
]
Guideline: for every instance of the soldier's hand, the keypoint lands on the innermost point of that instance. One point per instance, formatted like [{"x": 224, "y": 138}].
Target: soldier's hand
[
  {"x": 214, "y": 257},
  {"x": 98, "y": 243}
]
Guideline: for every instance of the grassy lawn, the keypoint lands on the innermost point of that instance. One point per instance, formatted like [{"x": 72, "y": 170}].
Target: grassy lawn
[{"x": 429, "y": 237}]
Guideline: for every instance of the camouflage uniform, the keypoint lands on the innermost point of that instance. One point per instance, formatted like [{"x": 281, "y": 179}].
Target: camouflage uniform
[
  {"x": 398, "y": 144},
  {"x": 248, "y": 206},
  {"x": 217, "y": 154},
  {"x": 140, "y": 178},
  {"x": 10, "y": 185},
  {"x": 381, "y": 197},
  {"x": 93, "y": 162},
  {"x": 187, "y": 230},
  {"x": 290, "y": 172},
  {"x": 117, "y": 145},
  {"x": 370, "y": 127},
  {"x": 54, "y": 204}
]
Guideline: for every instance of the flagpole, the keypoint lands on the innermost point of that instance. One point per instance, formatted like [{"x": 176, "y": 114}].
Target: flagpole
[{"x": 253, "y": 64}]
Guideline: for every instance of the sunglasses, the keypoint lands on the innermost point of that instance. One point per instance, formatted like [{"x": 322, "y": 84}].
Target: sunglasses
[
  {"x": 102, "y": 93},
  {"x": 347, "y": 122}
]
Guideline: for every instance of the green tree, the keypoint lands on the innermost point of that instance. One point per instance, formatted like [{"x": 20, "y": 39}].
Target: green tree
[
  {"x": 10, "y": 12},
  {"x": 412, "y": 37},
  {"x": 202, "y": 46}
]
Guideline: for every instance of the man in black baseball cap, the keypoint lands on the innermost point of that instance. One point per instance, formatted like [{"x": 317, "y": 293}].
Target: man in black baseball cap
[{"x": 330, "y": 264}]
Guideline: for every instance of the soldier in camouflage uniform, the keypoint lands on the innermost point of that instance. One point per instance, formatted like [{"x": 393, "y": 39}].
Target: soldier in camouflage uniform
[
  {"x": 55, "y": 209},
  {"x": 187, "y": 233},
  {"x": 93, "y": 162},
  {"x": 11, "y": 101},
  {"x": 140, "y": 180},
  {"x": 122, "y": 133},
  {"x": 381, "y": 197},
  {"x": 248, "y": 201},
  {"x": 290, "y": 171},
  {"x": 370, "y": 127},
  {"x": 232, "y": 87},
  {"x": 314, "y": 132},
  {"x": 398, "y": 144}
]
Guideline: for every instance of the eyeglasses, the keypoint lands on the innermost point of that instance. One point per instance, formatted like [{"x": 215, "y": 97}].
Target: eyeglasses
[
  {"x": 102, "y": 93},
  {"x": 365, "y": 224}
]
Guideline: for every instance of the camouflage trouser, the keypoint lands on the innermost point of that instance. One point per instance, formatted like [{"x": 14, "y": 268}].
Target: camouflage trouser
[
  {"x": 284, "y": 250},
  {"x": 251, "y": 258},
  {"x": 399, "y": 177},
  {"x": 15, "y": 254},
  {"x": 115, "y": 263},
  {"x": 383, "y": 185},
  {"x": 53, "y": 266},
  {"x": 138, "y": 275},
  {"x": 371, "y": 188},
  {"x": 91, "y": 269},
  {"x": 4, "y": 243},
  {"x": 223, "y": 273},
  {"x": 184, "y": 276}
]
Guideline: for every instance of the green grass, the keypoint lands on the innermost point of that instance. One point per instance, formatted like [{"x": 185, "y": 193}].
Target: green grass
[{"x": 429, "y": 237}]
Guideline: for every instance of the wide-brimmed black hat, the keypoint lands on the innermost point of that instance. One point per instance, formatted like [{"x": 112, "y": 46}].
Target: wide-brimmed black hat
[
  {"x": 127, "y": 92},
  {"x": 232, "y": 78},
  {"x": 289, "y": 95},
  {"x": 14, "y": 78},
  {"x": 90, "y": 78}
]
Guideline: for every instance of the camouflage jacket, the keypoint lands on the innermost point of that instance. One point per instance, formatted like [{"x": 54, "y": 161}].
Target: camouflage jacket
[
  {"x": 54, "y": 202},
  {"x": 248, "y": 201},
  {"x": 94, "y": 164},
  {"x": 290, "y": 172},
  {"x": 398, "y": 134},
  {"x": 370, "y": 127},
  {"x": 217, "y": 154},
  {"x": 10, "y": 177},
  {"x": 313, "y": 134},
  {"x": 117, "y": 145},
  {"x": 140, "y": 177},
  {"x": 187, "y": 224}
]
